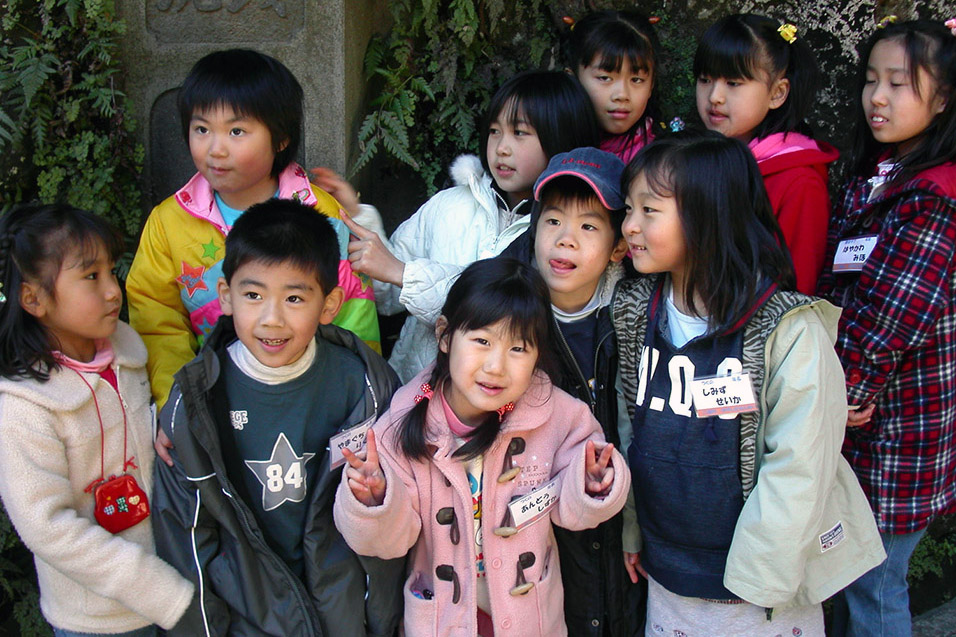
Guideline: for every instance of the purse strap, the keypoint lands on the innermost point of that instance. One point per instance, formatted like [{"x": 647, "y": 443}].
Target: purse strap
[{"x": 127, "y": 463}]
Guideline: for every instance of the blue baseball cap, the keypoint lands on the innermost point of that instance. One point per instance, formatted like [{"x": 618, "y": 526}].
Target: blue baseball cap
[{"x": 601, "y": 170}]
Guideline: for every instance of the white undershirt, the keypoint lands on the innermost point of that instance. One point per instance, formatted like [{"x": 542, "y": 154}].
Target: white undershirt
[
  {"x": 251, "y": 367},
  {"x": 682, "y": 328}
]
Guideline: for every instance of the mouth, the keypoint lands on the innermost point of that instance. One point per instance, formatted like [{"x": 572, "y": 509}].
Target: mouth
[
  {"x": 561, "y": 265},
  {"x": 619, "y": 114},
  {"x": 637, "y": 248},
  {"x": 490, "y": 389},
  {"x": 504, "y": 171},
  {"x": 716, "y": 115},
  {"x": 273, "y": 343},
  {"x": 878, "y": 119}
]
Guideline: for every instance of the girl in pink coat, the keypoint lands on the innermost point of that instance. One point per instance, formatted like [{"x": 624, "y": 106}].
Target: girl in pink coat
[{"x": 475, "y": 460}]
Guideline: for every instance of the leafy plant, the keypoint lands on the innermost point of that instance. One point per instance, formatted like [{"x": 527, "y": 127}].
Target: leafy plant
[
  {"x": 64, "y": 133},
  {"x": 435, "y": 71}
]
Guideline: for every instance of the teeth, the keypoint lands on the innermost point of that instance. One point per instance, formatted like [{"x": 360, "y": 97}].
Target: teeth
[{"x": 273, "y": 341}]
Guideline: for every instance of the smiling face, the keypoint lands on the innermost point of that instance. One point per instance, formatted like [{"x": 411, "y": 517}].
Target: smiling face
[
  {"x": 574, "y": 243},
  {"x": 488, "y": 367},
  {"x": 619, "y": 97},
  {"x": 652, "y": 228},
  {"x": 84, "y": 306},
  {"x": 735, "y": 107},
  {"x": 277, "y": 308},
  {"x": 896, "y": 112},
  {"x": 514, "y": 155},
  {"x": 235, "y": 154}
]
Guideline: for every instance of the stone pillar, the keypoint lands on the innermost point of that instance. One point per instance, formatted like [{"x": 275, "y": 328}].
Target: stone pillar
[{"x": 321, "y": 41}]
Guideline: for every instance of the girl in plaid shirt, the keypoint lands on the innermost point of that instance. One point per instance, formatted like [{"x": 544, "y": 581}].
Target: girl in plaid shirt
[{"x": 890, "y": 264}]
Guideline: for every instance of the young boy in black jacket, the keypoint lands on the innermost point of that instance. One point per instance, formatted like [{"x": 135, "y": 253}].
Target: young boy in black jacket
[
  {"x": 575, "y": 240},
  {"x": 257, "y": 420}
]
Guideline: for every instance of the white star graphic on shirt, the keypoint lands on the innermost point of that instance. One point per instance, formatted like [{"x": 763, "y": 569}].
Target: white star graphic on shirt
[{"x": 283, "y": 475}]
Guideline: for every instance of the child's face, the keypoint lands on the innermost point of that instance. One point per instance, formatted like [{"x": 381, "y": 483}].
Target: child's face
[
  {"x": 84, "y": 306},
  {"x": 574, "y": 243},
  {"x": 277, "y": 308},
  {"x": 234, "y": 154},
  {"x": 619, "y": 97},
  {"x": 895, "y": 111},
  {"x": 514, "y": 155},
  {"x": 735, "y": 107},
  {"x": 653, "y": 231},
  {"x": 489, "y": 367}
]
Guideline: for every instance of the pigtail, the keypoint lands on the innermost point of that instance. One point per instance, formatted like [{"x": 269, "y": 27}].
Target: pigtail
[{"x": 411, "y": 428}]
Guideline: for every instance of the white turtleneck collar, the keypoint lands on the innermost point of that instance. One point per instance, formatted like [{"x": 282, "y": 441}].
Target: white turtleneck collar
[{"x": 251, "y": 367}]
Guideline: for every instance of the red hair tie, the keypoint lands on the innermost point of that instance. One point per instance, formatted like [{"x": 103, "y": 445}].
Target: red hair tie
[
  {"x": 504, "y": 409},
  {"x": 426, "y": 394}
]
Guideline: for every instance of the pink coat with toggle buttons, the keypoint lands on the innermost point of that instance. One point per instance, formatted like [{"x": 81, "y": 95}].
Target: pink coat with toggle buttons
[{"x": 428, "y": 509}]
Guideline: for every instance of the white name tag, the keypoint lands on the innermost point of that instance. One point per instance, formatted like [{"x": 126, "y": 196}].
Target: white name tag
[
  {"x": 851, "y": 254},
  {"x": 721, "y": 395},
  {"x": 353, "y": 439},
  {"x": 530, "y": 508}
]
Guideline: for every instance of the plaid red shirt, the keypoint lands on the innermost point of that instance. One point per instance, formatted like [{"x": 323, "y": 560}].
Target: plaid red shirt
[{"x": 897, "y": 342}]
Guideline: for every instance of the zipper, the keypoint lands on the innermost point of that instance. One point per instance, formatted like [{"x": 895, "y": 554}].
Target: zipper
[{"x": 574, "y": 363}]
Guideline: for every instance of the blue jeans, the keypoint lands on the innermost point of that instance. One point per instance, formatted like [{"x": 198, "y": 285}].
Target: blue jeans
[
  {"x": 878, "y": 604},
  {"x": 146, "y": 631}
]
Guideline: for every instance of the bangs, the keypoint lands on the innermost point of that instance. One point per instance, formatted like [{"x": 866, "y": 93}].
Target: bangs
[
  {"x": 509, "y": 301},
  {"x": 619, "y": 43},
  {"x": 729, "y": 51}
]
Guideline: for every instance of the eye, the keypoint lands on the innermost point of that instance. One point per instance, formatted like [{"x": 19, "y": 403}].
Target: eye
[
  {"x": 703, "y": 79},
  {"x": 588, "y": 226},
  {"x": 648, "y": 209},
  {"x": 637, "y": 80},
  {"x": 551, "y": 221},
  {"x": 236, "y": 132},
  {"x": 734, "y": 82},
  {"x": 252, "y": 296},
  {"x": 92, "y": 276},
  {"x": 295, "y": 298},
  {"x": 480, "y": 340},
  {"x": 115, "y": 271},
  {"x": 199, "y": 129},
  {"x": 521, "y": 349},
  {"x": 493, "y": 131}
]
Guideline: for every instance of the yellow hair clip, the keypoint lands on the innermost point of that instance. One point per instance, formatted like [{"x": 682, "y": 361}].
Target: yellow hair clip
[
  {"x": 788, "y": 32},
  {"x": 886, "y": 21}
]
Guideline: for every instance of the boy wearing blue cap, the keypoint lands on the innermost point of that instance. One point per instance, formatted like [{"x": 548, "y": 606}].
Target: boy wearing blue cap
[{"x": 575, "y": 240}]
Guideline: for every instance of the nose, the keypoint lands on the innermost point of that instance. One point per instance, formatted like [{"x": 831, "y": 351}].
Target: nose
[
  {"x": 630, "y": 225},
  {"x": 217, "y": 146},
  {"x": 494, "y": 361},
  {"x": 271, "y": 314},
  {"x": 566, "y": 238},
  {"x": 112, "y": 291},
  {"x": 503, "y": 146},
  {"x": 619, "y": 91},
  {"x": 878, "y": 96}
]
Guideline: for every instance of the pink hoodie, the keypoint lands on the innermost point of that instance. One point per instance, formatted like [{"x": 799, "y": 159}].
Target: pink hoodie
[{"x": 552, "y": 427}]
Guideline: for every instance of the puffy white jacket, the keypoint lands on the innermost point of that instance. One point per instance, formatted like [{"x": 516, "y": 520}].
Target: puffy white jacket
[{"x": 459, "y": 225}]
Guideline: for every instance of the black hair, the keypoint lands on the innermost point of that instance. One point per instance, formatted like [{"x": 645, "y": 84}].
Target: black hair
[
  {"x": 284, "y": 231},
  {"x": 35, "y": 240},
  {"x": 554, "y": 103},
  {"x": 743, "y": 45},
  {"x": 733, "y": 241},
  {"x": 488, "y": 291},
  {"x": 616, "y": 36},
  {"x": 254, "y": 85},
  {"x": 571, "y": 189},
  {"x": 928, "y": 46}
]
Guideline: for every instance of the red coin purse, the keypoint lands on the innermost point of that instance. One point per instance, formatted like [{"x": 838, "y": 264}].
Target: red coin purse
[{"x": 120, "y": 503}]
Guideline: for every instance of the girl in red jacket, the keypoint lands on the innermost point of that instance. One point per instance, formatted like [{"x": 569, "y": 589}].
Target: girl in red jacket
[
  {"x": 474, "y": 461},
  {"x": 756, "y": 81}
]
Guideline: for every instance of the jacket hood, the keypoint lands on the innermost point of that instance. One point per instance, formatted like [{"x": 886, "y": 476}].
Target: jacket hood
[
  {"x": 65, "y": 391},
  {"x": 793, "y": 151}
]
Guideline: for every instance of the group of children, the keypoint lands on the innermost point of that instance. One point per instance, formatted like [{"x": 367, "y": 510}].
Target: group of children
[{"x": 613, "y": 368}]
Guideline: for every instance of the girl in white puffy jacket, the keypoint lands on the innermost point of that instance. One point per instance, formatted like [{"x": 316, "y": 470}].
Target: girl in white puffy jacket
[{"x": 533, "y": 116}]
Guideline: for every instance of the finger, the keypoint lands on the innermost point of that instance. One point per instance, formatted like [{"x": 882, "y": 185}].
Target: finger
[
  {"x": 359, "y": 489},
  {"x": 629, "y": 566},
  {"x": 163, "y": 451},
  {"x": 354, "y": 461},
  {"x": 607, "y": 480},
  {"x": 358, "y": 230},
  {"x": 605, "y": 458},
  {"x": 589, "y": 460},
  {"x": 371, "y": 451}
]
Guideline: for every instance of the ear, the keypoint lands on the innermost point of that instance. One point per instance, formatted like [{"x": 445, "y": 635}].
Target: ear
[
  {"x": 440, "y": 326},
  {"x": 283, "y": 145},
  {"x": 619, "y": 251},
  {"x": 779, "y": 91},
  {"x": 333, "y": 303},
  {"x": 225, "y": 296},
  {"x": 33, "y": 299}
]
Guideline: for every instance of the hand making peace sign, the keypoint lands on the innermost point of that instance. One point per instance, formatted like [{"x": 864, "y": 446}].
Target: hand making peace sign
[{"x": 366, "y": 479}]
